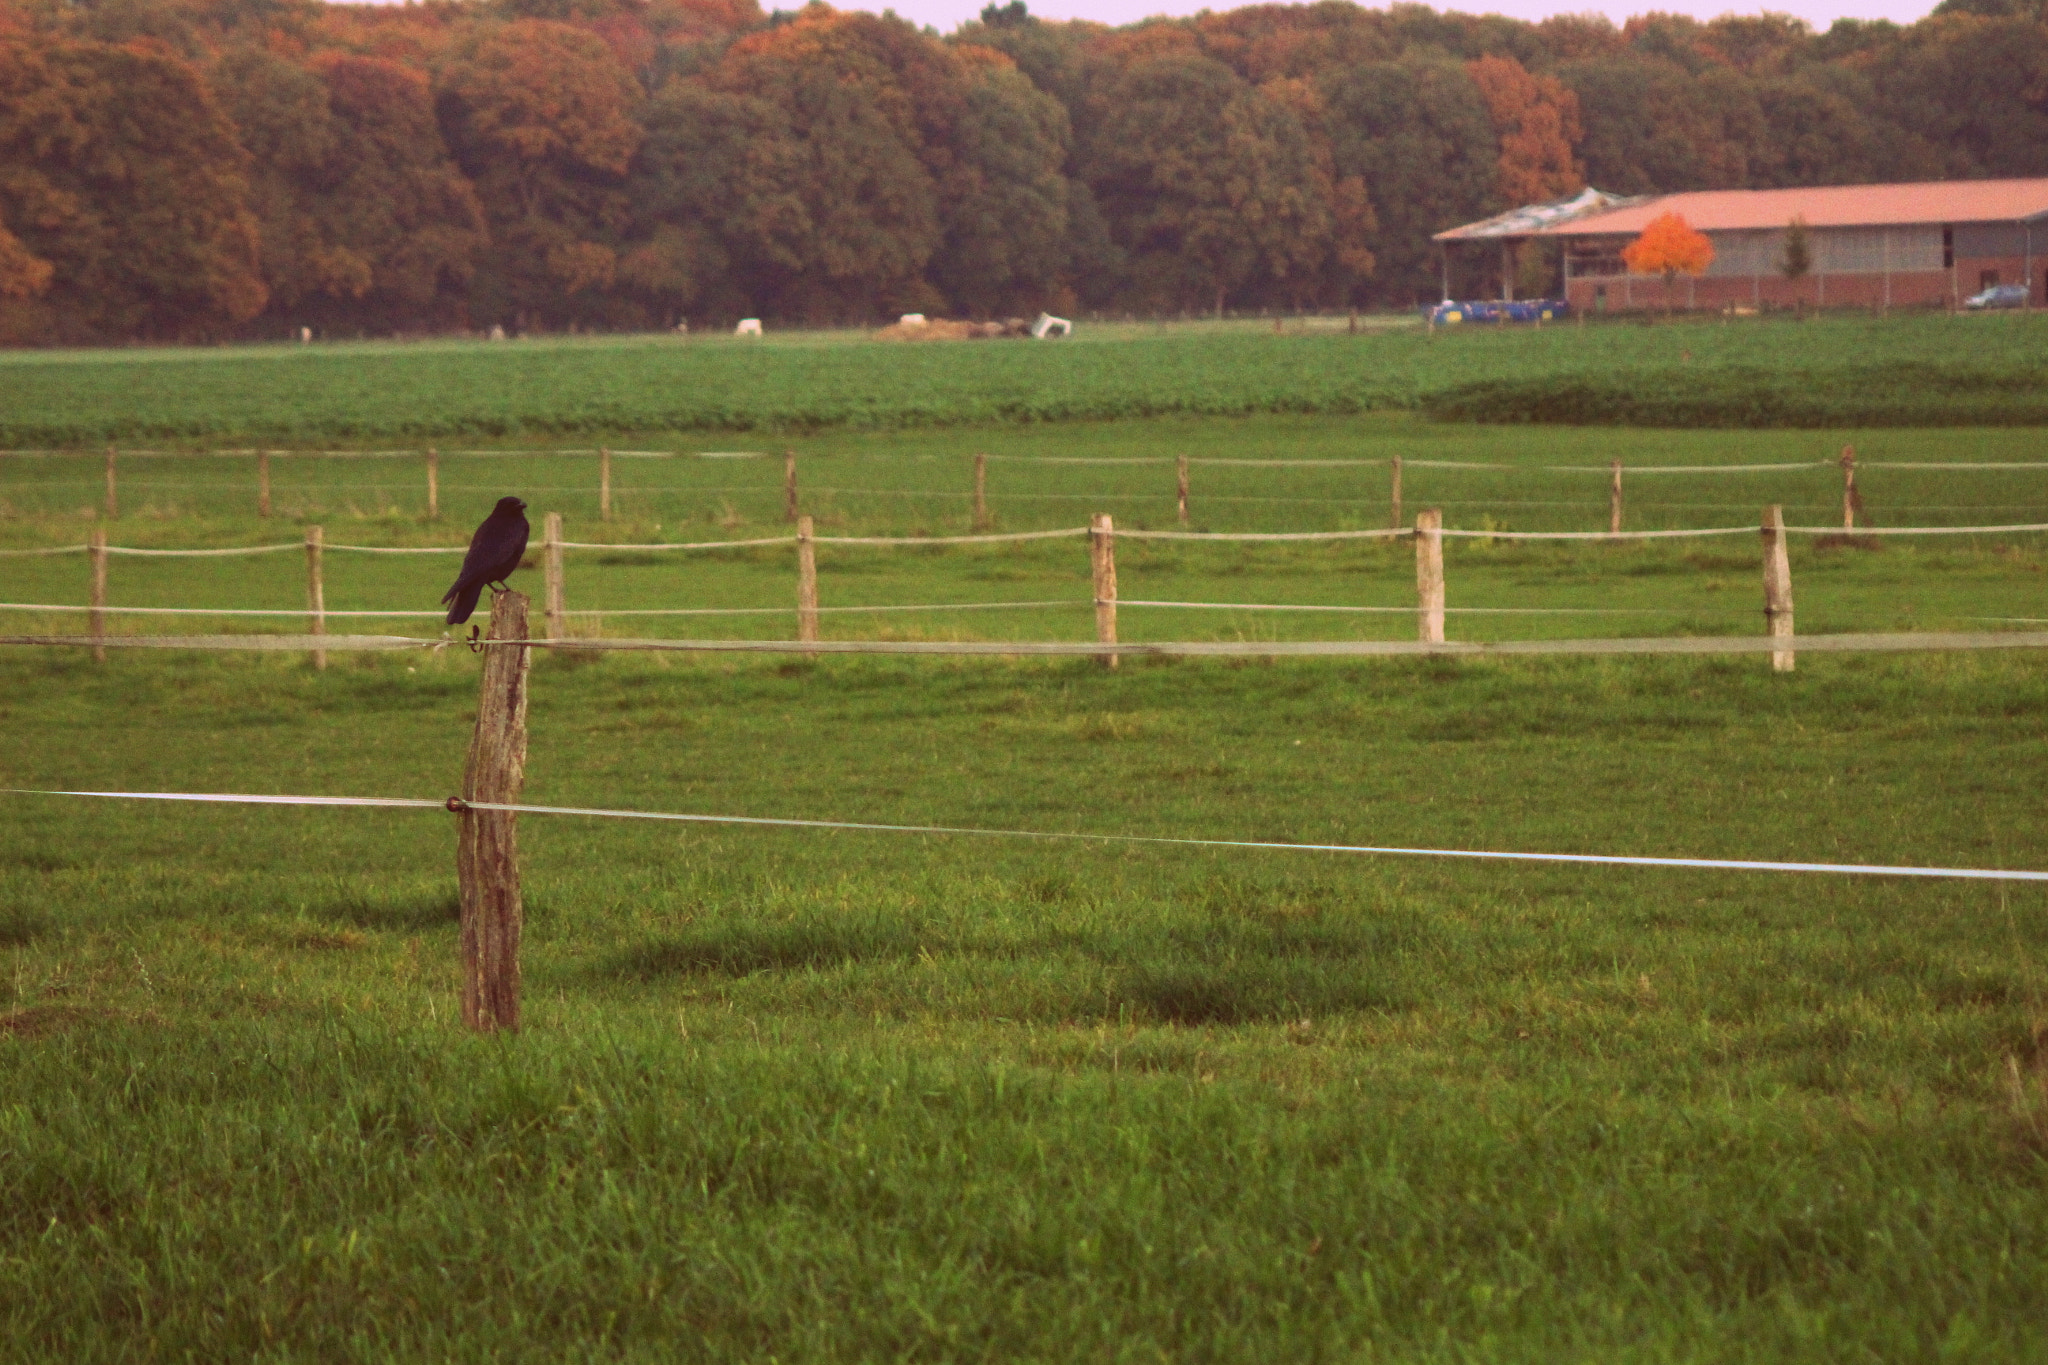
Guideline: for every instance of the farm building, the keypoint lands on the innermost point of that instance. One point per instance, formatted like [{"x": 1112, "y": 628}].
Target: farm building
[{"x": 1928, "y": 244}]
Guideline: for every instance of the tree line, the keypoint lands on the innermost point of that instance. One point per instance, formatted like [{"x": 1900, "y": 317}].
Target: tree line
[{"x": 202, "y": 169}]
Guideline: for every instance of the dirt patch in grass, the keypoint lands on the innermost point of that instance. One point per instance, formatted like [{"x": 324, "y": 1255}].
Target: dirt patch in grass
[{"x": 41, "y": 1021}]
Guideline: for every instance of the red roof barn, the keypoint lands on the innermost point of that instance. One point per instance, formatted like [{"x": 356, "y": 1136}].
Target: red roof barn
[{"x": 1931, "y": 243}]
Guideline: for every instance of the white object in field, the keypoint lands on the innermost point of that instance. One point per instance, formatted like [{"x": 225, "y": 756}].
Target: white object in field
[
  {"x": 1048, "y": 327},
  {"x": 305, "y": 336},
  {"x": 497, "y": 332},
  {"x": 749, "y": 327},
  {"x": 683, "y": 328},
  {"x": 911, "y": 320}
]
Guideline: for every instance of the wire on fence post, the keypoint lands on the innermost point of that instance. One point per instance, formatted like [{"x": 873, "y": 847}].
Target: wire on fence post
[
  {"x": 1102, "y": 558},
  {"x": 113, "y": 502},
  {"x": 551, "y": 577},
  {"x": 1852, "y": 503},
  {"x": 789, "y": 485},
  {"x": 487, "y": 845},
  {"x": 433, "y": 484},
  {"x": 1182, "y": 488},
  {"x": 1429, "y": 576},
  {"x": 806, "y": 583},
  {"x": 1614, "y": 502},
  {"x": 97, "y": 542},
  {"x": 1396, "y": 520},
  {"x": 262, "y": 483},
  {"x": 316, "y": 591},
  {"x": 981, "y": 492},
  {"x": 1777, "y": 586},
  {"x": 604, "y": 483}
]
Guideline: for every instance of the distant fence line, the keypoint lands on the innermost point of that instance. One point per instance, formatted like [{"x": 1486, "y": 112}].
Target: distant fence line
[
  {"x": 1428, "y": 535},
  {"x": 1060, "y": 533},
  {"x": 1183, "y": 494},
  {"x": 1213, "y": 461}
]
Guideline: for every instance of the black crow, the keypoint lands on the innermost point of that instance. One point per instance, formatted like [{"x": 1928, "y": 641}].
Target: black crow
[{"x": 494, "y": 552}]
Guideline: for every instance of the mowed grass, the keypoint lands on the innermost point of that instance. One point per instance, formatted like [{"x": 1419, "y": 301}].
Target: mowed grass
[
  {"x": 1907, "y": 370},
  {"x": 843, "y": 1096}
]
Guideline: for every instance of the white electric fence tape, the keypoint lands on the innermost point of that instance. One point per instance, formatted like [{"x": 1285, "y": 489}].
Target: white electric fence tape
[
  {"x": 949, "y": 606},
  {"x": 207, "y": 611},
  {"x": 911, "y": 542},
  {"x": 1904, "y": 642},
  {"x": 678, "y": 545},
  {"x": 1596, "y": 859},
  {"x": 522, "y": 452},
  {"x": 1454, "y": 611}
]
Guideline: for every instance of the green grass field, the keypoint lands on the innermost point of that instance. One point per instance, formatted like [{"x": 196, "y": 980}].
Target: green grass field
[
  {"x": 1905, "y": 370},
  {"x": 809, "y": 1096},
  {"x": 840, "y": 1096}
]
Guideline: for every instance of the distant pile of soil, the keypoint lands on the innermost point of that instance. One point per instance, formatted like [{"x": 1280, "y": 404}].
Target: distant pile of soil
[{"x": 943, "y": 329}]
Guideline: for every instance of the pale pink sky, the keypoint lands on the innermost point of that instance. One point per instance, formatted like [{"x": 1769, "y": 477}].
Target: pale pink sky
[{"x": 947, "y": 15}]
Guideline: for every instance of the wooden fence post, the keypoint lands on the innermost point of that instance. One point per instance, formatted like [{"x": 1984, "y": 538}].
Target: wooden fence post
[
  {"x": 113, "y": 502},
  {"x": 316, "y": 592},
  {"x": 487, "y": 846},
  {"x": 433, "y": 484},
  {"x": 789, "y": 485},
  {"x": 551, "y": 579},
  {"x": 1182, "y": 488},
  {"x": 1777, "y": 586},
  {"x": 1396, "y": 520},
  {"x": 981, "y": 492},
  {"x": 1429, "y": 576},
  {"x": 806, "y": 584},
  {"x": 604, "y": 483},
  {"x": 1852, "y": 502},
  {"x": 1102, "y": 558},
  {"x": 97, "y": 541},
  {"x": 262, "y": 483},
  {"x": 1614, "y": 502}
]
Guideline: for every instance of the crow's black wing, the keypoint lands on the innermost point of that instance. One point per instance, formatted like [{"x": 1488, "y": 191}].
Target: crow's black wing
[{"x": 494, "y": 552}]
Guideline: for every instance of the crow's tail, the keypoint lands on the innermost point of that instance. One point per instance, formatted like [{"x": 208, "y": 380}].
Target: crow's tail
[{"x": 464, "y": 596}]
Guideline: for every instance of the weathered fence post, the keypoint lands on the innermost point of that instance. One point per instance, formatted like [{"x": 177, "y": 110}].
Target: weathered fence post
[
  {"x": 1396, "y": 519},
  {"x": 487, "y": 847},
  {"x": 433, "y": 484},
  {"x": 1102, "y": 558},
  {"x": 1614, "y": 502},
  {"x": 551, "y": 579},
  {"x": 1852, "y": 502},
  {"x": 113, "y": 502},
  {"x": 981, "y": 492},
  {"x": 806, "y": 584},
  {"x": 262, "y": 483},
  {"x": 1182, "y": 489},
  {"x": 604, "y": 483},
  {"x": 789, "y": 485},
  {"x": 316, "y": 592},
  {"x": 1777, "y": 586},
  {"x": 1429, "y": 576},
  {"x": 97, "y": 542}
]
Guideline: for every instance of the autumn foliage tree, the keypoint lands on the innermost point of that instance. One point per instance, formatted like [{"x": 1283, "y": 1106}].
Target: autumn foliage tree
[
  {"x": 1670, "y": 247},
  {"x": 198, "y": 168},
  {"x": 541, "y": 116},
  {"x": 125, "y": 212}
]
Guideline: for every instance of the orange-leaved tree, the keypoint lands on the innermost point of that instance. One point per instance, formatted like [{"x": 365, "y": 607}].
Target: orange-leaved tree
[{"x": 1669, "y": 247}]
